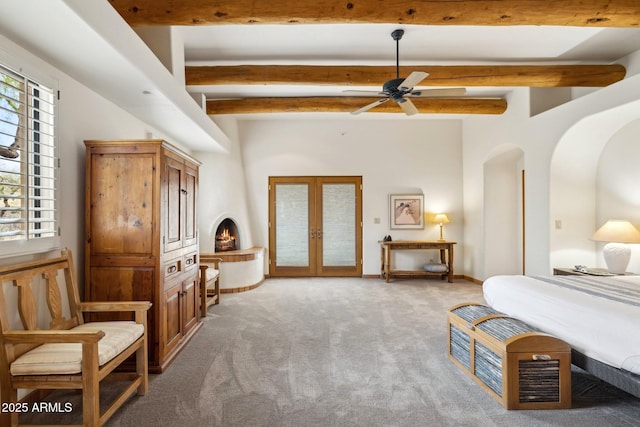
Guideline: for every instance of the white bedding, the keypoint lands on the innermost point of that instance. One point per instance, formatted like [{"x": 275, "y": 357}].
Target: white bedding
[{"x": 604, "y": 330}]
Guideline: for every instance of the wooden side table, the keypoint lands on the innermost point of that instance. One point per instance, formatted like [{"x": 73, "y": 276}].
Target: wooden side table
[
  {"x": 567, "y": 272},
  {"x": 572, "y": 272},
  {"x": 446, "y": 257}
]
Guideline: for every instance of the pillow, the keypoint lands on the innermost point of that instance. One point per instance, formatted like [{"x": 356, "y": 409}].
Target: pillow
[{"x": 436, "y": 268}]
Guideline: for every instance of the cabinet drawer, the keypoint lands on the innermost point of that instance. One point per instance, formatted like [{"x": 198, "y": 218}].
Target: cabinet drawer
[
  {"x": 173, "y": 268},
  {"x": 190, "y": 261}
]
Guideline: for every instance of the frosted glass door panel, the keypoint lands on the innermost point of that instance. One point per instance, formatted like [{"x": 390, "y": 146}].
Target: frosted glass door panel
[
  {"x": 338, "y": 225},
  {"x": 292, "y": 219}
]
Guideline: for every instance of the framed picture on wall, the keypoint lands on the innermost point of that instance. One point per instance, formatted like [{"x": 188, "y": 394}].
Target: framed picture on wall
[{"x": 406, "y": 211}]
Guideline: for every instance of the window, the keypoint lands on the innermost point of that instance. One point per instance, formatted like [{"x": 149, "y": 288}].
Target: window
[{"x": 28, "y": 163}]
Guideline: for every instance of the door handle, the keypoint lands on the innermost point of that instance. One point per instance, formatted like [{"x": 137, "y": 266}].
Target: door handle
[
  {"x": 319, "y": 234},
  {"x": 312, "y": 234}
]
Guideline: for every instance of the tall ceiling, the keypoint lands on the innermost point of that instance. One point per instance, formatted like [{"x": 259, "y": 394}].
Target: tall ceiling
[
  {"x": 252, "y": 57},
  {"x": 298, "y": 57}
]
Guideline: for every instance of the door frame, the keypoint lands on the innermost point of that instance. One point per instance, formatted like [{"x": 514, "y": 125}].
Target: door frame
[{"x": 315, "y": 268}]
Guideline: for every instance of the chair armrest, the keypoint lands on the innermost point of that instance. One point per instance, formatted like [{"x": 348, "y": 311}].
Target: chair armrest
[
  {"x": 210, "y": 260},
  {"x": 115, "y": 306},
  {"x": 52, "y": 336}
]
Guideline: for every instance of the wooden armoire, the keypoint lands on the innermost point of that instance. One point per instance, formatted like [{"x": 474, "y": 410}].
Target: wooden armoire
[{"x": 141, "y": 237}]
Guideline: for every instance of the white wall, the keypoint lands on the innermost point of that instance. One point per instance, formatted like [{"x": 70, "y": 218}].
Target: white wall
[
  {"x": 82, "y": 114},
  {"x": 486, "y": 138},
  {"x": 590, "y": 119},
  {"x": 222, "y": 192},
  {"x": 392, "y": 156},
  {"x": 503, "y": 213},
  {"x": 618, "y": 185}
]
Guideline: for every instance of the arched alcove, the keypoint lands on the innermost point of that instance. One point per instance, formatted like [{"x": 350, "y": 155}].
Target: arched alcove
[
  {"x": 573, "y": 200},
  {"x": 503, "y": 211},
  {"x": 227, "y": 236}
]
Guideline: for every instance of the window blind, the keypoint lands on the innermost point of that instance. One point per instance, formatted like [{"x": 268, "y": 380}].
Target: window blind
[{"x": 28, "y": 163}]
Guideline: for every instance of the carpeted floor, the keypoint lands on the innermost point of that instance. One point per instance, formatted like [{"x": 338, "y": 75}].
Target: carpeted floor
[{"x": 340, "y": 352}]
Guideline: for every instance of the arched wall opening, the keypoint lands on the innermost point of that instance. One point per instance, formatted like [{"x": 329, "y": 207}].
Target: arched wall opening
[
  {"x": 233, "y": 228},
  {"x": 576, "y": 205},
  {"x": 503, "y": 211}
]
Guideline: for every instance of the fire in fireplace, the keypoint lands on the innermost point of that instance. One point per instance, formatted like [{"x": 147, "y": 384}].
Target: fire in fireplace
[{"x": 227, "y": 238}]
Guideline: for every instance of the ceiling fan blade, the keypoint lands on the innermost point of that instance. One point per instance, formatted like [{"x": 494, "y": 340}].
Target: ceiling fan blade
[
  {"x": 370, "y": 106},
  {"x": 408, "y": 107},
  {"x": 413, "y": 79},
  {"x": 364, "y": 92},
  {"x": 457, "y": 91}
]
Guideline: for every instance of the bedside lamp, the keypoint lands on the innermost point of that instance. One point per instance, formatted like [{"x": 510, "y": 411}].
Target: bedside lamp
[
  {"x": 616, "y": 253},
  {"x": 441, "y": 219}
]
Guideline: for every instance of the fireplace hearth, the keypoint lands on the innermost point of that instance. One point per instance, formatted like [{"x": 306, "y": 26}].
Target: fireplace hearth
[{"x": 227, "y": 238}]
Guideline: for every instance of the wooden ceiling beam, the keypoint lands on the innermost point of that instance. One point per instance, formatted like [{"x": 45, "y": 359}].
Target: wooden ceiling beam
[
  {"x": 349, "y": 104},
  {"x": 582, "y": 13},
  {"x": 463, "y": 75}
]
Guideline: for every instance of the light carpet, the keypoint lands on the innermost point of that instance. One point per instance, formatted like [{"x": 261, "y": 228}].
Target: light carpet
[{"x": 341, "y": 352}]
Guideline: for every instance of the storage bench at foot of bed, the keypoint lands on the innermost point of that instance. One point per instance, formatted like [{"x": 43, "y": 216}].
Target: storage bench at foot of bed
[{"x": 517, "y": 365}]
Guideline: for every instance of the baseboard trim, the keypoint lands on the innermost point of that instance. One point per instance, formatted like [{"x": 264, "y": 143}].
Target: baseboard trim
[
  {"x": 472, "y": 280},
  {"x": 455, "y": 276}
]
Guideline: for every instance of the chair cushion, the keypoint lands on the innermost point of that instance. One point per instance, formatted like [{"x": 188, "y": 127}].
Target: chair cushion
[
  {"x": 211, "y": 274},
  {"x": 66, "y": 358}
]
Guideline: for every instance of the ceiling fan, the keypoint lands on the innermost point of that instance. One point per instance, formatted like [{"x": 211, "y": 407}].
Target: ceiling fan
[{"x": 400, "y": 90}]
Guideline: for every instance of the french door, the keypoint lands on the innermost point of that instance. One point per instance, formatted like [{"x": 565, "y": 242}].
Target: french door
[{"x": 315, "y": 226}]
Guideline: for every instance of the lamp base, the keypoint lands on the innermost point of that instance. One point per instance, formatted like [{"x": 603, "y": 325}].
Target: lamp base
[{"x": 617, "y": 256}]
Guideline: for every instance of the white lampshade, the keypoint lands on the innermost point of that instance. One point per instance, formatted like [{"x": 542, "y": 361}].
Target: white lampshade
[
  {"x": 616, "y": 253},
  {"x": 441, "y": 218},
  {"x": 618, "y": 231}
]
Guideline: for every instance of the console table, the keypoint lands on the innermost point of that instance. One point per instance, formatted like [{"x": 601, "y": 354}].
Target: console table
[{"x": 446, "y": 257}]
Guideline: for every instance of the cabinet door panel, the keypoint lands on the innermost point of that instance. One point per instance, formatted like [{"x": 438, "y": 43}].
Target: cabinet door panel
[
  {"x": 173, "y": 206},
  {"x": 190, "y": 303},
  {"x": 122, "y": 284},
  {"x": 125, "y": 284},
  {"x": 190, "y": 220},
  {"x": 121, "y": 208},
  {"x": 172, "y": 316}
]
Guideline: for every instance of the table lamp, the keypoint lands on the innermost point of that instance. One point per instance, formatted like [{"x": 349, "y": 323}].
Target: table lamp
[
  {"x": 617, "y": 233},
  {"x": 441, "y": 219}
]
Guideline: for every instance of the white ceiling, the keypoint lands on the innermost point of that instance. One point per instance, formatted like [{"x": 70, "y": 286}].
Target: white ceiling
[
  {"x": 372, "y": 44},
  {"x": 89, "y": 41}
]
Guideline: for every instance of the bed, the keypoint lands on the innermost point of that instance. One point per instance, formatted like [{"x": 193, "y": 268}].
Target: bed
[{"x": 599, "y": 317}]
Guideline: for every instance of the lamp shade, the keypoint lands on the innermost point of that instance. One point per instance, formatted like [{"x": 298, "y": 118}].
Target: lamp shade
[
  {"x": 441, "y": 218},
  {"x": 619, "y": 231}
]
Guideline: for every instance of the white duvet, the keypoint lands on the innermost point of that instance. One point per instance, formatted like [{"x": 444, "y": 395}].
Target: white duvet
[{"x": 604, "y": 330}]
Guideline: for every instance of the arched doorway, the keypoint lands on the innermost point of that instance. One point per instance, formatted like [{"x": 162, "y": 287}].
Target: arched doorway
[{"x": 504, "y": 212}]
